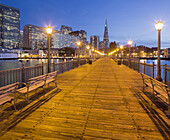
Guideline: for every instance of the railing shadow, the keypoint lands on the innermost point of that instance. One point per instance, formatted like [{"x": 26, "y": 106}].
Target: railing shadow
[
  {"x": 156, "y": 118},
  {"x": 10, "y": 123}
]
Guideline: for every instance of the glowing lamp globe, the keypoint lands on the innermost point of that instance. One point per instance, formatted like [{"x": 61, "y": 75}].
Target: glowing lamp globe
[
  {"x": 121, "y": 47},
  {"x": 159, "y": 25},
  {"x": 130, "y": 42},
  {"x": 78, "y": 43},
  {"x": 49, "y": 30}
]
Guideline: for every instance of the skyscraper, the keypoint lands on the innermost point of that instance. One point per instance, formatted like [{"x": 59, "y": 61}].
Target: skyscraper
[
  {"x": 34, "y": 37},
  {"x": 94, "y": 41},
  {"x": 106, "y": 36},
  {"x": 9, "y": 27},
  {"x": 82, "y": 35},
  {"x": 65, "y": 29}
]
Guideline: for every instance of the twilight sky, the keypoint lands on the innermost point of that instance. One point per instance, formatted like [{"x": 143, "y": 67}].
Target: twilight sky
[{"x": 127, "y": 19}]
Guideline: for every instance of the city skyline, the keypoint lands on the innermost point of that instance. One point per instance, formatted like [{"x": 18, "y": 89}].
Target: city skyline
[{"x": 132, "y": 19}]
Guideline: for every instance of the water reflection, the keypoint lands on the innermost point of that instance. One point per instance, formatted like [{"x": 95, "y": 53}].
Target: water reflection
[
  {"x": 12, "y": 64},
  {"x": 149, "y": 69}
]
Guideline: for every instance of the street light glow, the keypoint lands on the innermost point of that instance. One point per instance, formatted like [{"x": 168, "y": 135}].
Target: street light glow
[
  {"x": 49, "y": 30},
  {"x": 121, "y": 47},
  {"x": 92, "y": 50},
  {"x": 159, "y": 25},
  {"x": 88, "y": 47},
  {"x": 130, "y": 42},
  {"x": 78, "y": 43}
]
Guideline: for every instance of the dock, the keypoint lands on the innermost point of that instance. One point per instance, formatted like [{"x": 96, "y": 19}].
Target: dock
[{"x": 99, "y": 101}]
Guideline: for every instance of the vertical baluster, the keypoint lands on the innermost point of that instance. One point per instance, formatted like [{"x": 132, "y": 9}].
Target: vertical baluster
[
  {"x": 53, "y": 66},
  {"x": 144, "y": 67},
  {"x": 138, "y": 65},
  {"x": 153, "y": 70},
  {"x": 7, "y": 77},
  {"x": 165, "y": 73},
  {"x": 0, "y": 79},
  {"x": 23, "y": 73},
  {"x": 62, "y": 66}
]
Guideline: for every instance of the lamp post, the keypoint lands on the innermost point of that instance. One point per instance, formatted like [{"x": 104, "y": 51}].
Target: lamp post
[
  {"x": 117, "y": 53},
  {"x": 78, "y": 44},
  {"x": 130, "y": 43},
  {"x": 121, "y": 48},
  {"x": 92, "y": 52},
  {"x": 159, "y": 26},
  {"x": 88, "y": 48},
  {"x": 49, "y": 32}
]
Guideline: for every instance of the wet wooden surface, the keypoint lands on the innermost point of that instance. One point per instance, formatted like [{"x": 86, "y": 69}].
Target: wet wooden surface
[{"x": 99, "y": 101}]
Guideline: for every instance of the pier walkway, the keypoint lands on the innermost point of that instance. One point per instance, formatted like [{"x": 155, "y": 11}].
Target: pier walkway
[{"x": 99, "y": 101}]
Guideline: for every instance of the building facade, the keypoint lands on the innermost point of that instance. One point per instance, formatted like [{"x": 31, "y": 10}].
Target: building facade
[
  {"x": 65, "y": 29},
  {"x": 63, "y": 40},
  {"x": 9, "y": 27},
  {"x": 101, "y": 45},
  {"x": 94, "y": 41},
  {"x": 34, "y": 37},
  {"x": 81, "y": 35}
]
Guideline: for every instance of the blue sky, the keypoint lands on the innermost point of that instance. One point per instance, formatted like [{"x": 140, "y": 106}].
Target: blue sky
[{"x": 127, "y": 19}]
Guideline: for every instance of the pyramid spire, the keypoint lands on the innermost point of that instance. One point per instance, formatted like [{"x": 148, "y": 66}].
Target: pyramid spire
[{"x": 106, "y": 37}]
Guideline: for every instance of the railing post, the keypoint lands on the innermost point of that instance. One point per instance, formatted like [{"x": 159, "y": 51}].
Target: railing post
[
  {"x": 165, "y": 73},
  {"x": 62, "y": 66},
  {"x": 153, "y": 70},
  {"x": 168, "y": 113},
  {"x": 23, "y": 73},
  {"x": 53, "y": 66},
  {"x": 138, "y": 65},
  {"x": 42, "y": 68},
  {"x": 144, "y": 67}
]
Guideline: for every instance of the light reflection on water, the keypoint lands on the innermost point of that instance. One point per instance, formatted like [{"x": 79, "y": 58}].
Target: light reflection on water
[
  {"x": 163, "y": 62},
  {"x": 149, "y": 69},
  {"x": 12, "y": 64}
]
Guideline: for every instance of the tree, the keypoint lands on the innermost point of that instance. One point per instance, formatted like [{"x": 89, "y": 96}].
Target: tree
[{"x": 112, "y": 46}]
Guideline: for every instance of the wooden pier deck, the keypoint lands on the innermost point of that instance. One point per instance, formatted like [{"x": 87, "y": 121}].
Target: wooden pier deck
[{"x": 99, "y": 101}]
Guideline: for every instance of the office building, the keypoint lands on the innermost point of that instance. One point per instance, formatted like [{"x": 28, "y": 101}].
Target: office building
[
  {"x": 9, "y": 27},
  {"x": 82, "y": 35},
  {"x": 94, "y": 42},
  {"x": 101, "y": 45},
  {"x": 34, "y": 37},
  {"x": 65, "y": 29},
  {"x": 64, "y": 40}
]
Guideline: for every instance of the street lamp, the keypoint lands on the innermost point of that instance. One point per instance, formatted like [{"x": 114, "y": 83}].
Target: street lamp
[
  {"x": 129, "y": 43},
  {"x": 49, "y": 32},
  {"x": 159, "y": 26},
  {"x": 88, "y": 48},
  {"x": 78, "y": 44},
  {"x": 117, "y": 52},
  {"x": 121, "y": 48}
]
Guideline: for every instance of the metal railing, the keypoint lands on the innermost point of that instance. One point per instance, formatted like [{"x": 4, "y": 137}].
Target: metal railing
[
  {"x": 23, "y": 74},
  {"x": 149, "y": 69}
]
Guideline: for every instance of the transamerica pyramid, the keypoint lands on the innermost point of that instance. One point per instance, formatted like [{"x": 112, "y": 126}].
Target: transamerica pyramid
[{"x": 106, "y": 37}]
